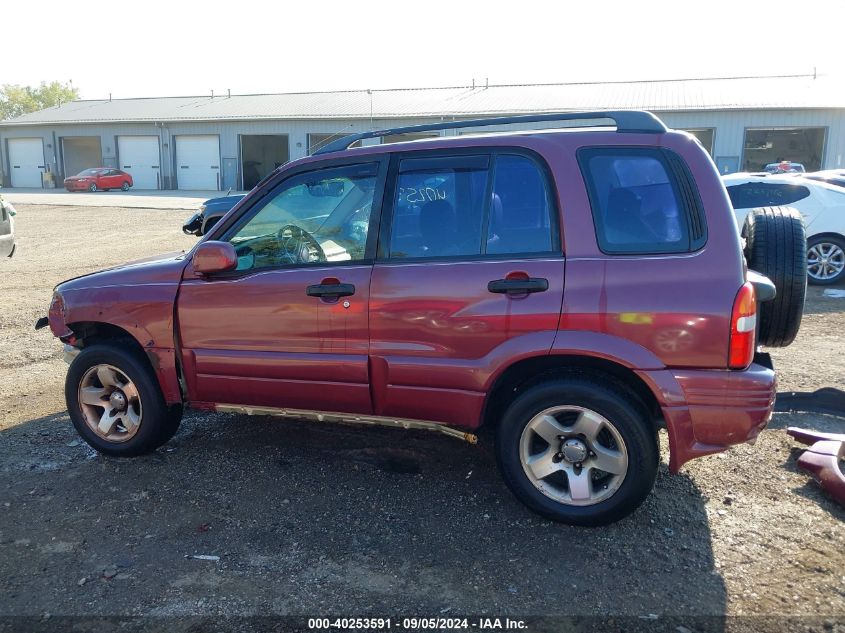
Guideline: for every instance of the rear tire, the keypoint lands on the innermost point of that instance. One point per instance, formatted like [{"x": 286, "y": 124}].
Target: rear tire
[
  {"x": 776, "y": 246},
  {"x": 585, "y": 418},
  {"x": 115, "y": 402},
  {"x": 125, "y": 186},
  {"x": 826, "y": 260}
]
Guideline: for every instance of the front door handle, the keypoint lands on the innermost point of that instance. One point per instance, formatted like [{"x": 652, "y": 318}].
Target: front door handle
[
  {"x": 518, "y": 286},
  {"x": 330, "y": 291}
]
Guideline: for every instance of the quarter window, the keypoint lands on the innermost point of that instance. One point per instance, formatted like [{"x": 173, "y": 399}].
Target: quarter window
[
  {"x": 636, "y": 202},
  {"x": 765, "y": 194},
  {"x": 317, "y": 217}
]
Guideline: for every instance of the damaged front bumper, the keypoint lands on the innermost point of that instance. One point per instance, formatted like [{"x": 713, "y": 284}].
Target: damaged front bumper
[
  {"x": 69, "y": 352},
  {"x": 822, "y": 460}
]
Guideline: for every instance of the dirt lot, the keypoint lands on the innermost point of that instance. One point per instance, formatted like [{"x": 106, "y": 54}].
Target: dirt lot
[{"x": 312, "y": 519}]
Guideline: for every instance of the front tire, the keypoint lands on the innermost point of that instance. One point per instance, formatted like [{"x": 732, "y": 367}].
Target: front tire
[
  {"x": 92, "y": 187},
  {"x": 578, "y": 450},
  {"x": 115, "y": 402}
]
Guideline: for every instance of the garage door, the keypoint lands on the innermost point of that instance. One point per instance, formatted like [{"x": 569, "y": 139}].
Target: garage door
[
  {"x": 26, "y": 161},
  {"x": 139, "y": 156},
  {"x": 198, "y": 162}
]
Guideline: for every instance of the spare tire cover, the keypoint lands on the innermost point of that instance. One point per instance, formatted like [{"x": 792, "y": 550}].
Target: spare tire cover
[{"x": 776, "y": 246}]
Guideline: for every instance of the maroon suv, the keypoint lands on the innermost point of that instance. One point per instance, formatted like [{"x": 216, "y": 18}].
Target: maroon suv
[{"x": 574, "y": 290}]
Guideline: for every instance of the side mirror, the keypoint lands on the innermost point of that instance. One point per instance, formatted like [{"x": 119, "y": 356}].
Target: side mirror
[{"x": 214, "y": 257}]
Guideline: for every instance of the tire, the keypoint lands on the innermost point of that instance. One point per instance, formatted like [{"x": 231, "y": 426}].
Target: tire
[
  {"x": 125, "y": 186},
  {"x": 144, "y": 423},
  {"x": 825, "y": 260},
  {"x": 174, "y": 420},
  {"x": 623, "y": 422},
  {"x": 92, "y": 187},
  {"x": 776, "y": 246}
]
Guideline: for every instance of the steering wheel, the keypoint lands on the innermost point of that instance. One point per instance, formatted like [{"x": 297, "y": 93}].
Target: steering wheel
[{"x": 298, "y": 246}]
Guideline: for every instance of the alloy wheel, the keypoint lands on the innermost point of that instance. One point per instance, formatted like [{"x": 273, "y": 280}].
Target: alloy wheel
[
  {"x": 110, "y": 403},
  {"x": 825, "y": 260},
  {"x": 573, "y": 455}
]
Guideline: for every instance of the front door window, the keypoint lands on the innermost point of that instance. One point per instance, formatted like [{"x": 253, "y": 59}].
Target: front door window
[{"x": 318, "y": 217}]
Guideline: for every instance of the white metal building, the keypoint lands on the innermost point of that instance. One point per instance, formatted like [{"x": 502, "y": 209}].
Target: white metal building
[{"x": 218, "y": 142}]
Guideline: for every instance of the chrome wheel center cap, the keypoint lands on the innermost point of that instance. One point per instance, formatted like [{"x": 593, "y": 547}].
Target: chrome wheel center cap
[
  {"x": 117, "y": 400},
  {"x": 574, "y": 451}
]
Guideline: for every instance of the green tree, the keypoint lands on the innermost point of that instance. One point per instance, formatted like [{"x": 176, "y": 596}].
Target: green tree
[{"x": 17, "y": 100}]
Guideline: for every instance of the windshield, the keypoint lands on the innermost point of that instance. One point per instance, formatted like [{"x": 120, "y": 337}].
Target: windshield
[{"x": 90, "y": 172}]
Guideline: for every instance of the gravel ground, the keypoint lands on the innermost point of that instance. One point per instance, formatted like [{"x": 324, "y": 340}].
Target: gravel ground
[{"x": 317, "y": 519}]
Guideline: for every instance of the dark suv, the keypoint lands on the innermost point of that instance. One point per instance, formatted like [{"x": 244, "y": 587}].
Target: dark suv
[{"x": 574, "y": 290}]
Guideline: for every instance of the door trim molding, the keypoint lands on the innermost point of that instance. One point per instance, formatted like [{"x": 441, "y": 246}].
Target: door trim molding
[{"x": 348, "y": 418}]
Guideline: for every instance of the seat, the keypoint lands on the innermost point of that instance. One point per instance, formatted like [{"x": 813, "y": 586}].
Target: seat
[
  {"x": 437, "y": 228},
  {"x": 623, "y": 218},
  {"x": 513, "y": 231}
]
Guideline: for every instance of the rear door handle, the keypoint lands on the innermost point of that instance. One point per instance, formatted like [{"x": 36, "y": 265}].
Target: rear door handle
[
  {"x": 330, "y": 290},
  {"x": 518, "y": 286}
]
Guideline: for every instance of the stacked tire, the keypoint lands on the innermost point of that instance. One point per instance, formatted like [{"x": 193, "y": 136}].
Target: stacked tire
[{"x": 776, "y": 246}]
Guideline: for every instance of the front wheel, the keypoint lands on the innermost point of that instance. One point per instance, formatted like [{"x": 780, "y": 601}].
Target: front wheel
[
  {"x": 826, "y": 260},
  {"x": 115, "y": 402},
  {"x": 92, "y": 187},
  {"x": 578, "y": 450}
]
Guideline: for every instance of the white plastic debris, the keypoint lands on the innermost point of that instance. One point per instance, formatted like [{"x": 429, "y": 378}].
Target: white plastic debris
[
  {"x": 836, "y": 293},
  {"x": 202, "y": 557}
]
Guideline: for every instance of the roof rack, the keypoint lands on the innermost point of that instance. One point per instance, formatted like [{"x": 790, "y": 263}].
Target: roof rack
[{"x": 627, "y": 121}]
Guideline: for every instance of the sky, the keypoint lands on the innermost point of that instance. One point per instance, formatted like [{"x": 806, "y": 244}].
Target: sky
[{"x": 162, "y": 48}]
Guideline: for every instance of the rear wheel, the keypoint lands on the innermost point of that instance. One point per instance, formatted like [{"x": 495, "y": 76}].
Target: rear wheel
[
  {"x": 125, "y": 186},
  {"x": 578, "y": 450},
  {"x": 115, "y": 403},
  {"x": 775, "y": 245},
  {"x": 826, "y": 260}
]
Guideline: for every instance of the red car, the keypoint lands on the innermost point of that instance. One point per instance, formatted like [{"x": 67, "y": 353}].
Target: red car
[
  {"x": 574, "y": 290},
  {"x": 99, "y": 179}
]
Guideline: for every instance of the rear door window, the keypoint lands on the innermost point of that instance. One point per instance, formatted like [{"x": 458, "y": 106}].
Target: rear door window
[
  {"x": 520, "y": 208},
  {"x": 750, "y": 195},
  {"x": 471, "y": 206},
  {"x": 438, "y": 207},
  {"x": 637, "y": 201}
]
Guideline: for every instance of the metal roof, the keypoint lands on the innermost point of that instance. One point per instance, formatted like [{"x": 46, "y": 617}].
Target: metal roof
[{"x": 733, "y": 93}]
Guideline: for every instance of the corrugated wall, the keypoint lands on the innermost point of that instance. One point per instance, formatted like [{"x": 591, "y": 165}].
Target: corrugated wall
[{"x": 728, "y": 142}]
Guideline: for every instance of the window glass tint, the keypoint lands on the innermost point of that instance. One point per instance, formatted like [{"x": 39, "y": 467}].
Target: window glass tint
[
  {"x": 765, "y": 194},
  {"x": 519, "y": 211},
  {"x": 438, "y": 207},
  {"x": 317, "y": 217},
  {"x": 636, "y": 206}
]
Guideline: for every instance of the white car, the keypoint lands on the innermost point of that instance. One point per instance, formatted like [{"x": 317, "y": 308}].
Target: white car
[
  {"x": 7, "y": 229},
  {"x": 821, "y": 204}
]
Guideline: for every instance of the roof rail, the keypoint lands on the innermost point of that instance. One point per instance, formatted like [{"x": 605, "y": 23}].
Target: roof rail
[{"x": 629, "y": 121}]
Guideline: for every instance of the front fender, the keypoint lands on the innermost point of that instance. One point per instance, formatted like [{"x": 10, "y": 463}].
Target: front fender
[{"x": 136, "y": 298}]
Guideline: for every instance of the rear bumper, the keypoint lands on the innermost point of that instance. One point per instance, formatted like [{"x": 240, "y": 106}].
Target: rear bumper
[{"x": 707, "y": 411}]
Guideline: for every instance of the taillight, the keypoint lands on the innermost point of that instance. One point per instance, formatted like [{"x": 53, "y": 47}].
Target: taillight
[{"x": 743, "y": 328}]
